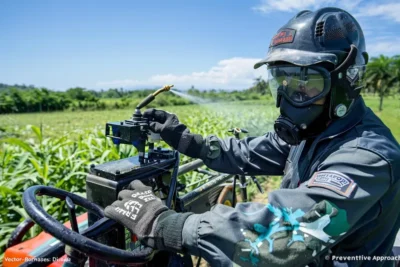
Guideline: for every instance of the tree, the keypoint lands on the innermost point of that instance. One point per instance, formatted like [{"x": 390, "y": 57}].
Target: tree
[
  {"x": 396, "y": 69},
  {"x": 381, "y": 77},
  {"x": 81, "y": 94},
  {"x": 38, "y": 96},
  {"x": 260, "y": 86},
  {"x": 19, "y": 101}
]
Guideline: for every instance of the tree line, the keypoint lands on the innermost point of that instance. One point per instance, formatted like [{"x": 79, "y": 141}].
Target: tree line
[
  {"x": 22, "y": 98},
  {"x": 382, "y": 78}
]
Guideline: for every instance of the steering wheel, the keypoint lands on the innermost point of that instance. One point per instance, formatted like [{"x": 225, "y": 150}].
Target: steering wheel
[{"x": 76, "y": 240}]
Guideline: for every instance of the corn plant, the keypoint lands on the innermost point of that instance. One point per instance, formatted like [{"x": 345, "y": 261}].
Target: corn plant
[{"x": 33, "y": 155}]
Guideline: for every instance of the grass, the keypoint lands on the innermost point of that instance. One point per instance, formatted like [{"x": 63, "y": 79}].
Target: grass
[{"x": 390, "y": 114}]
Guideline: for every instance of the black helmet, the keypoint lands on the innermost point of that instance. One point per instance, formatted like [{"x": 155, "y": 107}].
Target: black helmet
[
  {"x": 324, "y": 37},
  {"x": 315, "y": 55}
]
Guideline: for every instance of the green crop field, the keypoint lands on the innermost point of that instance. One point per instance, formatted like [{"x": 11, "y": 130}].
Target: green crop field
[
  {"x": 204, "y": 118},
  {"x": 255, "y": 115},
  {"x": 56, "y": 149}
]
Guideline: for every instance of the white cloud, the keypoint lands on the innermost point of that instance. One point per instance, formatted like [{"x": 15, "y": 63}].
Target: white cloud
[
  {"x": 386, "y": 46},
  {"x": 380, "y": 38},
  {"x": 233, "y": 73},
  {"x": 348, "y": 4},
  {"x": 388, "y": 10},
  {"x": 267, "y": 6}
]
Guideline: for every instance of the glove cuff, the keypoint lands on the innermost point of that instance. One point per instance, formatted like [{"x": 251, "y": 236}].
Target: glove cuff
[
  {"x": 168, "y": 231},
  {"x": 191, "y": 145}
]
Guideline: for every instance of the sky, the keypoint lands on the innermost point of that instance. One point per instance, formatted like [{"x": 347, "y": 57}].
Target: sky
[{"x": 100, "y": 44}]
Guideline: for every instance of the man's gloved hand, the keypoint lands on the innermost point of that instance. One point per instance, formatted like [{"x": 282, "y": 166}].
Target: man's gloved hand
[
  {"x": 139, "y": 210},
  {"x": 174, "y": 133},
  {"x": 167, "y": 125}
]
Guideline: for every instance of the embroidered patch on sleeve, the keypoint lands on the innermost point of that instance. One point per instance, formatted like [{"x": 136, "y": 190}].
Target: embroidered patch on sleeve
[{"x": 333, "y": 180}]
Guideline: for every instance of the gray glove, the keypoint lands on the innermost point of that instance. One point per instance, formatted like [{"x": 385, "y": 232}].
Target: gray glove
[
  {"x": 174, "y": 133},
  {"x": 139, "y": 210}
]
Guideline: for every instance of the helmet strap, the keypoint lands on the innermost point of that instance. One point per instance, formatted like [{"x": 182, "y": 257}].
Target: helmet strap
[{"x": 341, "y": 88}]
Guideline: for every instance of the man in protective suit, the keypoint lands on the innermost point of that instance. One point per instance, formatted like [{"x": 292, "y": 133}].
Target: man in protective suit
[{"x": 340, "y": 193}]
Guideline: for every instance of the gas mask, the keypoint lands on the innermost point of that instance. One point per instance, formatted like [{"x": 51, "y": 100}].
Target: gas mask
[
  {"x": 310, "y": 96},
  {"x": 298, "y": 92}
]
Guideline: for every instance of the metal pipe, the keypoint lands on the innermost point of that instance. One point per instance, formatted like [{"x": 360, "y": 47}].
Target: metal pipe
[
  {"x": 172, "y": 184},
  {"x": 191, "y": 166},
  {"x": 206, "y": 172},
  {"x": 201, "y": 180},
  {"x": 203, "y": 190}
]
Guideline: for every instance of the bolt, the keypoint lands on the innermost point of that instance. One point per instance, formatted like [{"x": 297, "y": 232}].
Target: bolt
[{"x": 117, "y": 172}]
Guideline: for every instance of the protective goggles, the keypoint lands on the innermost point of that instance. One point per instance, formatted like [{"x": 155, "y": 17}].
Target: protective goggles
[{"x": 299, "y": 85}]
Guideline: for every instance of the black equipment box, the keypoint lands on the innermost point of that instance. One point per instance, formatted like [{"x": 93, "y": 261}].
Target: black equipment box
[{"x": 106, "y": 180}]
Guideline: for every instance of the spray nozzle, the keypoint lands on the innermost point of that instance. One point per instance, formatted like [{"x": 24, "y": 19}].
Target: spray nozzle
[
  {"x": 164, "y": 89},
  {"x": 152, "y": 96}
]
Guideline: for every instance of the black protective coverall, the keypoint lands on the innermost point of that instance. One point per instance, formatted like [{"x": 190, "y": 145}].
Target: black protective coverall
[{"x": 340, "y": 196}]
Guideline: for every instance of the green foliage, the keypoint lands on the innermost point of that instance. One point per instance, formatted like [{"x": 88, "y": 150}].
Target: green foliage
[
  {"x": 15, "y": 100},
  {"x": 382, "y": 77},
  {"x": 62, "y": 160},
  {"x": 260, "y": 86},
  {"x": 22, "y": 99},
  {"x": 58, "y": 162},
  {"x": 81, "y": 94}
]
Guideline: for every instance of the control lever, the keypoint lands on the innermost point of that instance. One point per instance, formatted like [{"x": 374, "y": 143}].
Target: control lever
[
  {"x": 257, "y": 184},
  {"x": 72, "y": 214}
]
